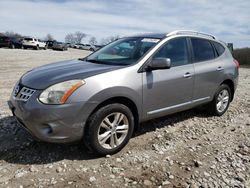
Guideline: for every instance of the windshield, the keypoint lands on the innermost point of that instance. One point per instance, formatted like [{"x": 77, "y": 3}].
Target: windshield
[{"x": 124, "y": 51}]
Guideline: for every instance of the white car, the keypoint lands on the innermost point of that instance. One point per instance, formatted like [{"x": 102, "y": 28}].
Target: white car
[
  {"x": 88, "y": 47},
  {"x": 33, "y": 43}
]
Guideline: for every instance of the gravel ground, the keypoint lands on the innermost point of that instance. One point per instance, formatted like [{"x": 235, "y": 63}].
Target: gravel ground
[{"x": 188, "y": 149}]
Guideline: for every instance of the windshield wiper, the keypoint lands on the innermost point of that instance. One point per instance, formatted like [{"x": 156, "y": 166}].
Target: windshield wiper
[{"x": 82, "y": 59}]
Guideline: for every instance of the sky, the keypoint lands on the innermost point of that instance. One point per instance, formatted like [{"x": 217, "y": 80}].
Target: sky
[{"x": 229, "y": 20}]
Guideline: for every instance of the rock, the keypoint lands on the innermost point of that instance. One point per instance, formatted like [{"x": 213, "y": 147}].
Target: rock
[
  {"x": 59, "y": 169},
  {"x": 206, "y": 174},
  {"x": 188, "y": 168},
  {"x": 92, "y": 179},
  {"x": 166, "y": 182},
  {"x": 193, "y": 185},
  {"x": 197, "y": 163},
  {"x": 147, "y": 182},
  {"x": 20, "y": 174},
  {"x": 213, "y": 167},
  {"x": 33, "y": 169},
  {"x": 171, "y": 177},
  {"x": 119, "y": 160}
]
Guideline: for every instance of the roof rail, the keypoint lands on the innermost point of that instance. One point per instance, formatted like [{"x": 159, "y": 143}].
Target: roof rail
[{"x": 179, "y": 32}]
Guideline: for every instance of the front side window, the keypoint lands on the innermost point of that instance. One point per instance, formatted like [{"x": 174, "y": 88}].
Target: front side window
[
  {"x": 202, "y": 50},
  {"x": 124, "y": 51},
  {"x": 176, "y": 50}
]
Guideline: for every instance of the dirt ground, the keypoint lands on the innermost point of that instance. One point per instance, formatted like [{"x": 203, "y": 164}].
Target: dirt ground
[{"x": 187, "y": 149}]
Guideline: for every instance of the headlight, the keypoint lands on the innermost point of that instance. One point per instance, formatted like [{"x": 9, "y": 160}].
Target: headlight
[{"x": 59, "y": 93}]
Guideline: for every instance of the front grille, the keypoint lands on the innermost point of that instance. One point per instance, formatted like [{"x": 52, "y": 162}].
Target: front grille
[{"x": 24, "y": 94}]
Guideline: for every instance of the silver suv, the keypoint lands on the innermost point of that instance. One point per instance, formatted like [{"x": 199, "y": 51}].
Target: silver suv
[{"x": 102, "y": 98}]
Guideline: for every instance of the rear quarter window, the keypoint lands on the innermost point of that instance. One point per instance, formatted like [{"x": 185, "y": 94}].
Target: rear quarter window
[{"x": 202, "y": 50}]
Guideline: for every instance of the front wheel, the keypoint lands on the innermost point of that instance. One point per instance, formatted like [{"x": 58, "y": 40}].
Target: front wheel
[
  {"x": 109, "y": 129},
  {"x": 221, "y": 101}
]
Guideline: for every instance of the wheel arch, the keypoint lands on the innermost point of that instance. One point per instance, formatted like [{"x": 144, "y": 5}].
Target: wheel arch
[
  {"x": 122, "y": 100},
  {"x": 230, "y": 84}
]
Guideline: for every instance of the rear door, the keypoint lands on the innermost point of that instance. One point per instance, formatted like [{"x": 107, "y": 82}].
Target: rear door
[
  {"x": 169, "y": 90},
  {"x": 208, "y": 69}
]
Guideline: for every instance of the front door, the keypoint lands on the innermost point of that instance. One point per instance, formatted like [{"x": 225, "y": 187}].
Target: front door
[{"x": 169, "y": 90}]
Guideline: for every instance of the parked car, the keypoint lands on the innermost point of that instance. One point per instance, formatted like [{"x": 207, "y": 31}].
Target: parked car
[
  {"x": 50, "y": 43},
  {"x": 70, "y": 45},
  {"x": 78, "y": 46},
  {"x": 59, "y": 46},
  {"x": 97, "y": 47},
  {"x": 103, "y": 98},
  {"x": 10, "y": 42},
  {"x": 34, "y": 43},
  {"x": 88, "y": 47}
]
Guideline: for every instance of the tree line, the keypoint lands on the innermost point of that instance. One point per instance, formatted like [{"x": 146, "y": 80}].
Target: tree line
[
  {"x": 242, "y": 55},
  {"x": 73, "y": 38}
]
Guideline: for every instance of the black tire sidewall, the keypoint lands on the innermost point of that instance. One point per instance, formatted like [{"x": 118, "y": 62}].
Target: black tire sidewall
[
  {"x": 222, "y": 87},
  {"x": 95, "y": 121}
]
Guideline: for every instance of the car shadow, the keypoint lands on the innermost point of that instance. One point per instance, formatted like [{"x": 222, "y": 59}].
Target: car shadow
[
  {"x": 170, "y": 120},
  {"x": 18, "y": 147}
]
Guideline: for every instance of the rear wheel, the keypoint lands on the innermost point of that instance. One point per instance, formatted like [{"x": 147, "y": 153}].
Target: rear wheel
[
  {"x": 12, "y": 46},
  {"x": 221, "y": 101},
  {"x": 109, "y": 129}
]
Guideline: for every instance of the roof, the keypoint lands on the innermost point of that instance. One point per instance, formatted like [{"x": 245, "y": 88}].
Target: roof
[{"x": 176, "y": 32}]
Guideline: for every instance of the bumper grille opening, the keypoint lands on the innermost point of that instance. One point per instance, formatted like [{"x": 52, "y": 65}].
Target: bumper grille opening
[{"x": 24, "y": 94}]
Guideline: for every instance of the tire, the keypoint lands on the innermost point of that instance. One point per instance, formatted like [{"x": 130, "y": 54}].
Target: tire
[
  {"x": 45, "y": 48},
  {"x": 94, "y": 136},
  {"x": 12, "y": 46},
  {"x": 91, "y": 49},
  {"x": 221, "y": 101},
  {"x": 37, "y": 47},
  {"x": 21, "y": 47}
]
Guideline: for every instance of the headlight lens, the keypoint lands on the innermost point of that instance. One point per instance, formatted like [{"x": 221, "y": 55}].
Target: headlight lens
[{"x": 59, "y": 93}]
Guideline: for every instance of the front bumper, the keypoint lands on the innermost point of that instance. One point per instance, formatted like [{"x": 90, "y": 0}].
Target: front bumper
[{"x": 52, "y": 123}]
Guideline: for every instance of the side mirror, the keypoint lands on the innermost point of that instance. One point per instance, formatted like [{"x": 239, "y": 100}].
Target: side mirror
[{"x": 159, "y": 63}]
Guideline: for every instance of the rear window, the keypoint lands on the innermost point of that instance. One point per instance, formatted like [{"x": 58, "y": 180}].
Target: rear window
[
  {"x": 202, "y": 49},
  {"x": 219, "y": 48},
  {"x": 28, "y": 39}
]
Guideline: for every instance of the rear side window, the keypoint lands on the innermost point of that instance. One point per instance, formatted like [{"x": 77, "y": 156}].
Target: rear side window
[
  {"x": 219, "y": 48},
  {"x": 28, "y": 39},
  {"x": 176, "y": 50},
  {"x": 202, "y": 49}
]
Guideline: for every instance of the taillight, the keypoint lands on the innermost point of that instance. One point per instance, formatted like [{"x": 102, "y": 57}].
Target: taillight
[{"x": 236, "y": 63}]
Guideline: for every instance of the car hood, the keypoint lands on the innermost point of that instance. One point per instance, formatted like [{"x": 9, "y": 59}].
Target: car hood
[{"x": 47, "y": 75}]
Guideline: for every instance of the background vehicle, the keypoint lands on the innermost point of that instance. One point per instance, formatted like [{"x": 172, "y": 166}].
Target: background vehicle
[
  {"x": 78, "y": 46},
  {"x": 34, "y": 43},
  {"x": 97, "y": 47},
  {"x": 88, "y": 47},
  {"x": 50, "y": 43},
  {"x": 11, "y": 42},
  {"x": 102, "y": 98},
  {"x": 59, "y": 46}
]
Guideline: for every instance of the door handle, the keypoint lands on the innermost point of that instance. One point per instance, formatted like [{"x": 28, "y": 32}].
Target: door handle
[
  {"x": 187, "y": 75},
  {"x": 220, "y": 68}
]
